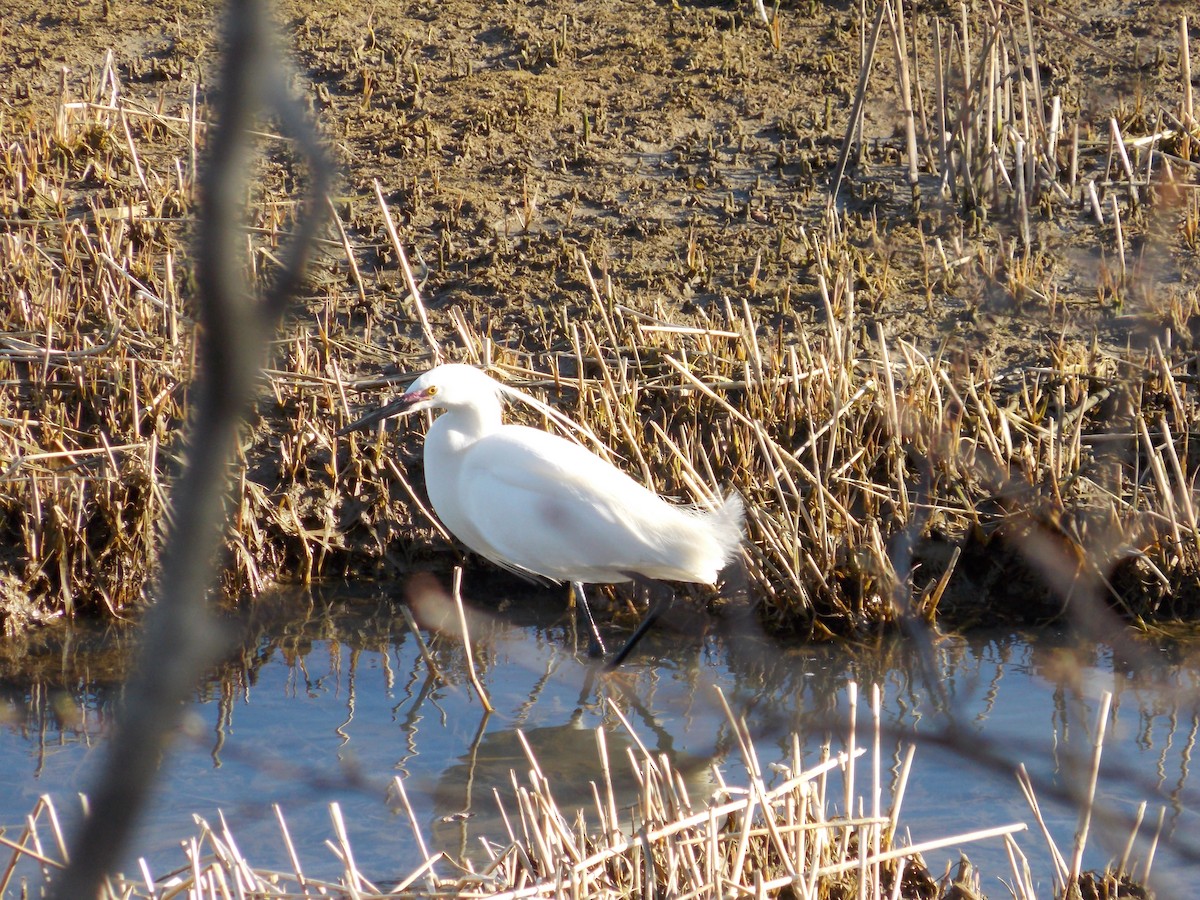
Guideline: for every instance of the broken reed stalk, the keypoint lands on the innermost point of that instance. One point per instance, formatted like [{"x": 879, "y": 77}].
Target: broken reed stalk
[
  {"x": 1088, "y": 801},
  {"x": 351, "y": 259},
  {"x": 1094, "y": 199},
  {"x": 466, "y": 639},
  {"x": 410, "y": 282},
  {"x": 1185, "y": 73},
  {"x": 900, "y": 46},
  {"x": 422, "y": 646},
  {"x": 860, "y": 95}
]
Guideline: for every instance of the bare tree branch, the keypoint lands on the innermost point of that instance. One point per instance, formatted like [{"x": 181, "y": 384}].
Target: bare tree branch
[{"x": 181, "y": 637}]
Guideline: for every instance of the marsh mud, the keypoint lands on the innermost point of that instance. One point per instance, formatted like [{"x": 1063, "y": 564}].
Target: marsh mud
[{"x": 685, "y": 151}]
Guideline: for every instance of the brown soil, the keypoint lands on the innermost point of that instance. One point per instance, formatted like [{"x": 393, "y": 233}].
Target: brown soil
[
  {"x": 634, "y": 130},
  {"x": 687, "y": 149}
]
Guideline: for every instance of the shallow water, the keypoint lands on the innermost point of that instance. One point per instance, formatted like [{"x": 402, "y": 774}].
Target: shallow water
[{"x": 329, "y": 699}]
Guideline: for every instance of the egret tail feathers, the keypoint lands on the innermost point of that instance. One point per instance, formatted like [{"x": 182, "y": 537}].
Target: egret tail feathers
[{"x": 727, "y": 521}]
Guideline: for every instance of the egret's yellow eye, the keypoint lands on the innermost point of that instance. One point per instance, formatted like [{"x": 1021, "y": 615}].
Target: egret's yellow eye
[{"x": 431, "y": 391}]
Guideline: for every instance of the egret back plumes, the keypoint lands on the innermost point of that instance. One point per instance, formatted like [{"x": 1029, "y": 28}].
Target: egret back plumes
[{"x": 538, "y": 504}]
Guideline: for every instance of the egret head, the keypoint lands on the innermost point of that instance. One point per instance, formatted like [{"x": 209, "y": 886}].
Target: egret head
[{"x": 448, "y": 386}]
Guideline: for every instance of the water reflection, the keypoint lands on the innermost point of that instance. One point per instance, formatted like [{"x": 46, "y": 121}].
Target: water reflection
[
  {"x": 329, "y": 696},
  {"x": 58, "y": 688}
]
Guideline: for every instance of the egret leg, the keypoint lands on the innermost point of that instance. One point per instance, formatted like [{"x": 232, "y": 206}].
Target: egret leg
[
  {"x": 661, "y": 598},
  {"x": 595, "y": 643}
]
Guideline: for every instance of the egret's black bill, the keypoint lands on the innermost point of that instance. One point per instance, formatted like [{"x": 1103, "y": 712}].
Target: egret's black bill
[{"x": 397, "y": 407}]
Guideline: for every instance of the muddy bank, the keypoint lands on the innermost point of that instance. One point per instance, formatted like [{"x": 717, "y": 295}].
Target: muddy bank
[{"x": 974, "y": 378}]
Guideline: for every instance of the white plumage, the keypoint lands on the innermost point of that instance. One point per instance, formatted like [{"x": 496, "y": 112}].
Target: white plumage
[{"x": 539, "y": 504}]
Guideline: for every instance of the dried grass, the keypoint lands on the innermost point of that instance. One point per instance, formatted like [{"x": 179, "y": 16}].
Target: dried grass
[
  {"x": 873, "y": 469},
  {"x": 779, "y": 832},
  {"x": 94, "y": 356}
]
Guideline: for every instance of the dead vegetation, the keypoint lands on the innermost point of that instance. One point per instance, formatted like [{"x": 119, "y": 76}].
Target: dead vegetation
[
  {"x": 884, "y": 475},
  {"x": 829, "y": 828},
  {"x": 876, "y": 465}
]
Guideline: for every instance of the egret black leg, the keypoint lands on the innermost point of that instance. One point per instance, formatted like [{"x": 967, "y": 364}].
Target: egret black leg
[
  {"x": 661, "y": 598},
  {"x": 595, "y": 643}
]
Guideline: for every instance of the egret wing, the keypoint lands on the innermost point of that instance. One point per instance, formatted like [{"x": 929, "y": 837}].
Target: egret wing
[{"x": 551, "y": 507}]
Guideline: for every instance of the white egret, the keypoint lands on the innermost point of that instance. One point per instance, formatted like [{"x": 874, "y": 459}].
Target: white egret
[{"x": 540, "y": 505}]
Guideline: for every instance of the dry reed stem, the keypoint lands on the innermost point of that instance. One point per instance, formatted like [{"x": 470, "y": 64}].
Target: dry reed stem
[
  {"x": 410, "y": 282},
  {"x": 466, "y": 639},
  {"x": 828, "y": 435},
  {"x": 1089, "y": 797},
  {"x": 761, "y": 841},
  {"x": 1056, "y": 857}
]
